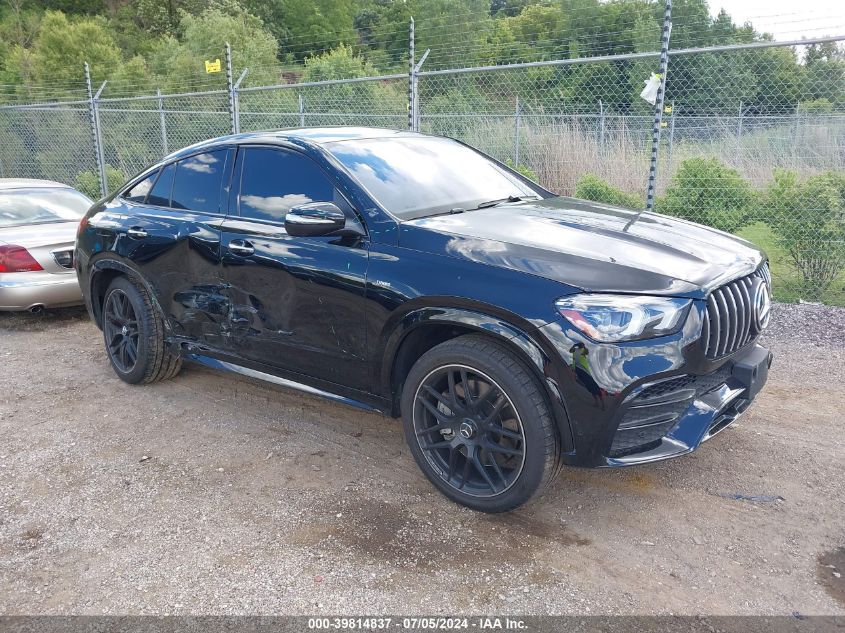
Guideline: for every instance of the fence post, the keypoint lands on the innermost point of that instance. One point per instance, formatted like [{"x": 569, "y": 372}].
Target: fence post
[
  {"x": 94, "y": 115},
  {"x": 601, "y": 127},
  {"x": 236, "y": 100},
  {"x": 163, "y": 123},
  {"x": 231, "y": 88},
  {"x": 517, "y": 116},
  {"x": 416, "y": 81},
  {"x": 301, "y": 111},
  {"x": 739, "y": 132},
  {"x": 411, "y": 81},
  {"x": 658, "y": 106},
  {"x": 671, "y": 133}
]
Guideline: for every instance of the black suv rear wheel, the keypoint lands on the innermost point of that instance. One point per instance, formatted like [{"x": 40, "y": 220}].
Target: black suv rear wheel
[
  {"x": 134, "y": 335},
  {"x": 478, "y": 424}
]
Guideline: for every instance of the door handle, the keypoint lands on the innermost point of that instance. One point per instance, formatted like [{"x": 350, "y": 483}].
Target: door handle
[
  {"x": 241, "y": 247},
  {"x": 137, "y": 232}
]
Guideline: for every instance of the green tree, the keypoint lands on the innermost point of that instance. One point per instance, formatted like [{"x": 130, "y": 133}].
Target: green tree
[
  {"x": 532, "y": 34},
  {"x": 163, "y": 17},
  {"x": 352, "y": 100},
  {"x": 63, "y": 45},
  {"x": 451, "y": 29},
  {"x": 305, "y": 28},
  {"x": 824, "y": 75},
  {"x": 204, "y": 37}
]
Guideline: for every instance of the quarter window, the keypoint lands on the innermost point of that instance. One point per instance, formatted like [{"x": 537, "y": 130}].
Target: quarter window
[
  {"x": 273, "y": 181},
  {"x": 160, "y": 193},
  {"x": 198, "y": 181},
  {"x": 139, "y": 192}
]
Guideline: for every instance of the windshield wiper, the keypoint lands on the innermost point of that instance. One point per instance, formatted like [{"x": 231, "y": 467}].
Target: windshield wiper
[
  {"x": 483, "y": 205},
  {"x": 493, "y": 203}
]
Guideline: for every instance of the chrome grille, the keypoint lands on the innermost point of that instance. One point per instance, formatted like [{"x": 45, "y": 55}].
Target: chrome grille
[{"x": 730, "y": 313}]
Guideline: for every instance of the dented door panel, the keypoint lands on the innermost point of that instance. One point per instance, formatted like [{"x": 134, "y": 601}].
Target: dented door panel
[
  {"x": 296, "y": 303},
  {"x": 180, "y": 250}
]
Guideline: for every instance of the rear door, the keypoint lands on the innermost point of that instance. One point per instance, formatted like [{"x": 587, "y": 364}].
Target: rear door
[
  {"x": 297, "y": 302},
  {"x": 171, "y": 232}
]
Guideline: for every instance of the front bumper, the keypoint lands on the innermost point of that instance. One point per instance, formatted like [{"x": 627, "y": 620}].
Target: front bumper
[
  {"x": 23, "y": 291},
  {"x": 643, "y": 401},
  {"x": 674, "y": 416}
]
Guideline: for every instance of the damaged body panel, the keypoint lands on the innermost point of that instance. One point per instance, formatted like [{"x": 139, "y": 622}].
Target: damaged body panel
[{"x": 337, "y": 258}]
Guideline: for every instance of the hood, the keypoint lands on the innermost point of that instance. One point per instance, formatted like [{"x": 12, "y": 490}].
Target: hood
[{"x": 590, "y": 246}]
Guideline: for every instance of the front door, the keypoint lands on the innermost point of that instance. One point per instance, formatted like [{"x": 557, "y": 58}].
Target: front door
[{"x": 297, "y": 303}]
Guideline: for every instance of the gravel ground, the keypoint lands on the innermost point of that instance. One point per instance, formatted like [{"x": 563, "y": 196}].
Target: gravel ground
[{"x": 213, "y": 494}]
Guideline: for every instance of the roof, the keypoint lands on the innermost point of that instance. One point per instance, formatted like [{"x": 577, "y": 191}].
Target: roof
[
  {"x": 309, "y": 135},
  {"x": 340, "y": 133},
  {"x": 30, "y": 183}
]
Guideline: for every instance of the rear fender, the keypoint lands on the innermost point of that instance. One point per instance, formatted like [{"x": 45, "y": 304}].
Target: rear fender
[{"x": 109, "y": 264}]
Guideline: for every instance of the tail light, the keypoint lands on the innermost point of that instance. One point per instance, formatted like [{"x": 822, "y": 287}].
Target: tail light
[
  {"x": 83, "y": 224},
  {"x": 16, "y": 259}
]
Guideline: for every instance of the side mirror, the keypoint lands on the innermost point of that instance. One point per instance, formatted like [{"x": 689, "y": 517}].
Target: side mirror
[{"x": 314, "y": 219}]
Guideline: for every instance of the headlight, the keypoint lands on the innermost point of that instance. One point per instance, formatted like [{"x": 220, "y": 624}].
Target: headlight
[{"x": 614, "y": 318}]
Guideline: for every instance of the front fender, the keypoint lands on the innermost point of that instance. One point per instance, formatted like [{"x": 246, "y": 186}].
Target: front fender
[{"x": 523, "y": 340}]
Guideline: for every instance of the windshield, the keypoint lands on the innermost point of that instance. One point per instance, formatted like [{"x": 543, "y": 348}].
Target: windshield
[
  {"x": 413, "y": 177},
  {"x": 41, "y": 205}
]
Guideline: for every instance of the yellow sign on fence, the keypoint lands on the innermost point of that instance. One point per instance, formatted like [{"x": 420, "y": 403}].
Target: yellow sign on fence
[{"x": 212, "y": 67}]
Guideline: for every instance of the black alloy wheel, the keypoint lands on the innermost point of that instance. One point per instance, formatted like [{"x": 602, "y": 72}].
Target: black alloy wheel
[
  {"x": 134, "y": 334},
  {"x": 120, "y": 327},
  {"x": 479, "y": 425},
  {"x": 469, "y": 430}
]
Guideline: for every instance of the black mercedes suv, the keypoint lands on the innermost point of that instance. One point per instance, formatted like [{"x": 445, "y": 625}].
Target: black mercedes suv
[{"x": 513, "y": 330}]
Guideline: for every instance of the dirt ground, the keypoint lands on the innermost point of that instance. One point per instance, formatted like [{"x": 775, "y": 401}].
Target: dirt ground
[{"x": 214, "y": 494}]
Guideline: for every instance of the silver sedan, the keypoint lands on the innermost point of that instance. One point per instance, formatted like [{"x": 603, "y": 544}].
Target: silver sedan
[{"x": 38, "y": 222}]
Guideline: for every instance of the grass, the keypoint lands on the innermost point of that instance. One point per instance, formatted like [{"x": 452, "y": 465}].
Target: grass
[{"x": 786, "y": 279}]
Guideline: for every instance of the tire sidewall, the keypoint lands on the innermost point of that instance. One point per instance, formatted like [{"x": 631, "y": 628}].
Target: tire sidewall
[
  {"x": 139, "y": 371},
  {"x": 536, "y": 446}
]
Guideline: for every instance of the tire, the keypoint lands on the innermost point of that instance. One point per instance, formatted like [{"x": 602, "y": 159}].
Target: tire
[
  {"x": 133, "y": 333},
  {"x": 490, "y": 447}
]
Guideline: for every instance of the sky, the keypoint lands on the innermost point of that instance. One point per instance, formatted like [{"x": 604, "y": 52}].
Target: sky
[{"x": 787, "y": 19}]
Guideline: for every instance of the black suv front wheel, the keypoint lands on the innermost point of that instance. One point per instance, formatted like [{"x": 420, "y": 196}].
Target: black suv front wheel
[{"x": 478, "y": 424}]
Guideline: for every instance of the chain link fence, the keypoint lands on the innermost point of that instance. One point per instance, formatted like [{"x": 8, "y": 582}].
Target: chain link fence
[
  {"x": 138, "y": 131},
  {"x": 377, "y": 102},
  {"x": 751, "y": 142},
  {"x": 52, "y": 141}
]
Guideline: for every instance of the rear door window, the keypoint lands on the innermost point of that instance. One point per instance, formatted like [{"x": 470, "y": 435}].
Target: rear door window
[
  {"x": 160, "y": 193},
  {"x": 138, "y": 193},
  {"x": 198, "y": 182}
]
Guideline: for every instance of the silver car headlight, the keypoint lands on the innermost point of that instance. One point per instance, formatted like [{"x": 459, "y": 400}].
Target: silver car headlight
[{"x": 616, "y": 318}]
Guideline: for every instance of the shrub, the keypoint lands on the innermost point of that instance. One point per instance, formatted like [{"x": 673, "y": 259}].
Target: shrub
[
  {"x": 808, "y": 219},
  {"x": 817, "y": 106},
  {"x": 591, "y": 187},
  {"x": 88, "y": 182},
  {"x": 525, "y": 170},
  {"x": 707, "y": 191}
]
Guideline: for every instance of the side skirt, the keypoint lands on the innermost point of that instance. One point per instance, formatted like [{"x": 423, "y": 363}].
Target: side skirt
[{"x": 215, "y": 363}]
